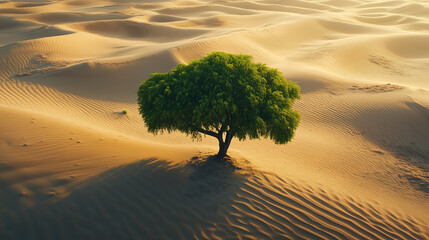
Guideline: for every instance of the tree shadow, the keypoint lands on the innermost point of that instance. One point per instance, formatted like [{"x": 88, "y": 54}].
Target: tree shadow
[
  {"x": 203, "y": 198},
  {"x": 209, "y": 174},
  {"x": 149, "y": 199}
]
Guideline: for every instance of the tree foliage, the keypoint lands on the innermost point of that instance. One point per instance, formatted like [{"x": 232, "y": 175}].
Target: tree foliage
[{"x": 222, "y": 95}]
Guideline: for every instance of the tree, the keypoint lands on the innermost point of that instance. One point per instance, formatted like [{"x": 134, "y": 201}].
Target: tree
[{"x": 221, "y": 95}]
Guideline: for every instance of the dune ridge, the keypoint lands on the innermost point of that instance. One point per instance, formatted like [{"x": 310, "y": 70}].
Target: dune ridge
[{"x": 357, "y": 168}]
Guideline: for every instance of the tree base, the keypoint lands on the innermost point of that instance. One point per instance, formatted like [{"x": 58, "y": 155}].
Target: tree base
[{"x": 221, "y": 156}]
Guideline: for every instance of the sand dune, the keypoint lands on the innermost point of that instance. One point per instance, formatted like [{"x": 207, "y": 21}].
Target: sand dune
[
  {"x": 414, "y": 46},
  {"x": 141, "y": 31},
  {"x": 165, "y": 18},
  {"x": 73, "y": 166},
  {"x": 65, "y": 17}
]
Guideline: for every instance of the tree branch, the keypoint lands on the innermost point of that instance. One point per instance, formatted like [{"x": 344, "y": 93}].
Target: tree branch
[
  {"x": 217, "y": 129},
  {"x": 222, "y": 128},
  {"x": 210, "y": 133}
]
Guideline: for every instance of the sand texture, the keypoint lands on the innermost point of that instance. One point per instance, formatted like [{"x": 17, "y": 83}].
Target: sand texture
[{"x": 73, "y": 166}]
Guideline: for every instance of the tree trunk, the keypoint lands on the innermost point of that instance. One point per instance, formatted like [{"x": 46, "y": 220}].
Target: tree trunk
[
  {"x": 222, "y": 150},
  {"x": 224, "y": 145}
]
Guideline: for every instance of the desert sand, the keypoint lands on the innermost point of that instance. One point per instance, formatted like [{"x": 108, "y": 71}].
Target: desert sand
[{"x": 72, "y": 166}]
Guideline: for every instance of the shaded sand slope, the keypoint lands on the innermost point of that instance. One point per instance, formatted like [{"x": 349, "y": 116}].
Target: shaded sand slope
[{"x": 357, "y": 167}]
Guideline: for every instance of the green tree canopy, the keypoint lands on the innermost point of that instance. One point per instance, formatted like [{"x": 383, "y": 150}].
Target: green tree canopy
[{"x": 221, "y": 95}]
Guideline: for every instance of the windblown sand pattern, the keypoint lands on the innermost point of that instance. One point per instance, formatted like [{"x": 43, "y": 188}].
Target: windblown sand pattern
[{"x": 72, "y": 166}]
